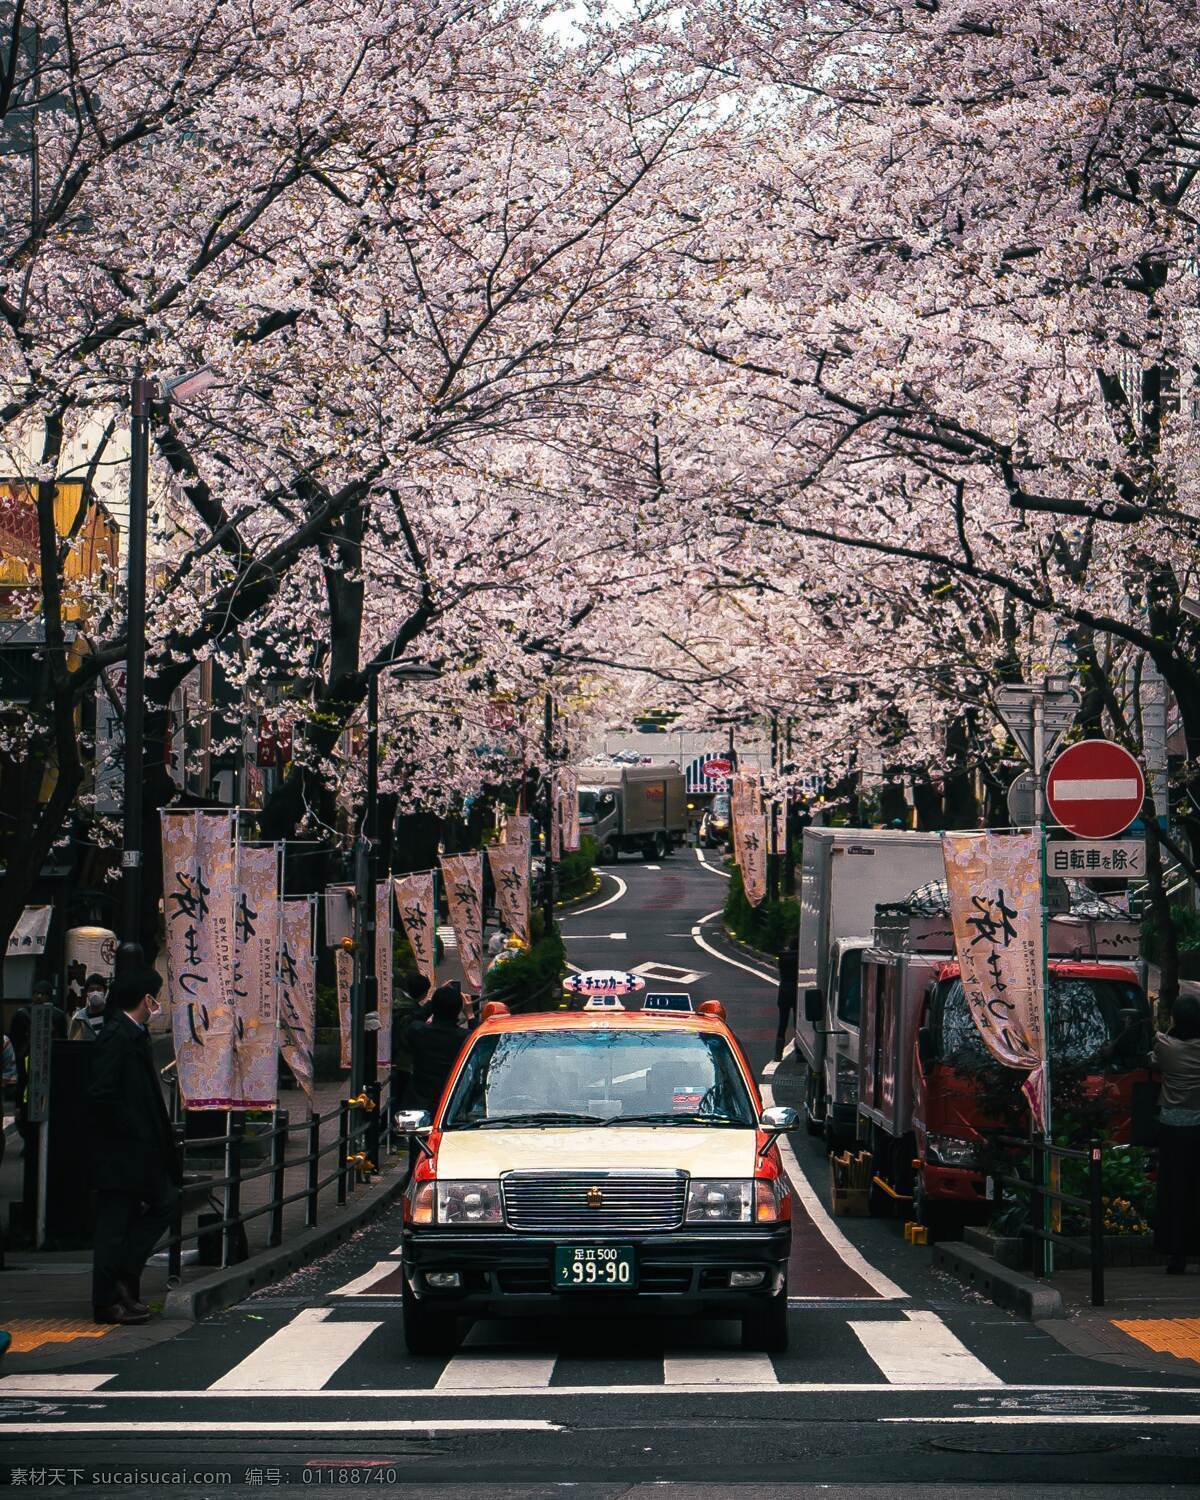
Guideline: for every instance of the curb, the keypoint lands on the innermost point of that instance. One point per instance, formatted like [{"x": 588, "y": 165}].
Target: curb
[
  {"x": 221, "y": 1289},
  {"x": 1004, "y": 1286}
]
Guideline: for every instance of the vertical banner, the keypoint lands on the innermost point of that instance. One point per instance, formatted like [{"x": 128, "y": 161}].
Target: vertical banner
[
  {"x": 569, "y": 782},
  {"x": 753, "y": 862},
  {"x": 744, "y": 802},
  {"x": 418, "y": 916},
  {"x": 256, "y": 983},
  {"x": 517, "y": 834},
  {"x": 198, "y": 909},
  {"x": 510, "y": 873},
  {"x": 995, "y": 887},
  {"x": 384, "y": 954},
  {"x": 343, "y": 963},
  {"x": 298, "y": 988},
  {"x": 556, "y": 819},
  {"x": 463, "y": 877}
]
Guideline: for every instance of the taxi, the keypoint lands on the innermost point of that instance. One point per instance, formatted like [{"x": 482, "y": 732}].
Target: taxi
[{"x": 599, "y": 1162}]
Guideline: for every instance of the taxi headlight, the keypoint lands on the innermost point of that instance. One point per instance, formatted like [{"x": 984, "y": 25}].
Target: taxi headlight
[
  {"x": 719, "y": 1201},
  {"x": 469, "y": 1203}
]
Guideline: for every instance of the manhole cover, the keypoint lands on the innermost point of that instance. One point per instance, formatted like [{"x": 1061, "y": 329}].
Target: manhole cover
[{"x": 1033, "y": 1442}]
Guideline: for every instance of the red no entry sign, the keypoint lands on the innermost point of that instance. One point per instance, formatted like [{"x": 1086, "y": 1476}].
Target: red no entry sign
[
  {"x": 716, "y": 768},
  {"x": 1095, "y": 789}
]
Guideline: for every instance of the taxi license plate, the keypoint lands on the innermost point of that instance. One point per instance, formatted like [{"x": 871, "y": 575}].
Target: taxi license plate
[{"x": 581, "y": 1267}]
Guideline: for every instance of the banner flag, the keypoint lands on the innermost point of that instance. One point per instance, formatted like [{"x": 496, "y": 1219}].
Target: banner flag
[
  {"x": 198, "y": 904},
  {"x": 343, "y": 963},
  {"x": 517, "y": 832},
  {"x": 418, "y": 917},
  {"x": 745, "y": 801},
  {"x": 298, "y": 988},
  {"x": 753, "y": 862},
  {"x": 995, "y": 887},
  {"x": 556, "y": 819},
  {"x": 510, "y": 873},
  {"x": 256, "y": 977},
  {"x": 570, "y": 808},
  {"x": 383, "y": 976},
  {"x": 463, "y": 877}
]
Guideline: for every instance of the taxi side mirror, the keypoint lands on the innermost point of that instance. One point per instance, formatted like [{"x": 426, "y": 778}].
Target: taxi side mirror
[
  {"x": 779, "y": 1117},
  {"x": 411, "y": 1121},
  {"x": 814, "y": 1006}
]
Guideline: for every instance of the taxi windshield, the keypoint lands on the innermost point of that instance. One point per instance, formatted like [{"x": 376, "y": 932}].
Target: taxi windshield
[{"x": 597, "y": 1077}]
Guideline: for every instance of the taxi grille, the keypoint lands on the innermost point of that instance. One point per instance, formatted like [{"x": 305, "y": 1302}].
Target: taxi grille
[{"x": 596, "y": 1202}]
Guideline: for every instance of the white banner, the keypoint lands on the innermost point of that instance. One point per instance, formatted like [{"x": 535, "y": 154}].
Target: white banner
[
  {"x": 298, "y": 988},
  {"x": 517, "y": 833},
  {"x": 510, "y": 873},
  {"x": 463, "y": 877},
  {"x": 569, "y": 782},
  {"x": 418, "y": 916},
  {"x": 198, "y": 909},
  {"x": 343, "y": 963},
  {"x": 383, "y": 976},
  {"x": 256, "y": 977},
  {"x": 753, "y": 861}
]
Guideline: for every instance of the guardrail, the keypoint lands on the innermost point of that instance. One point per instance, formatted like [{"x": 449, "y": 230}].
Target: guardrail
[
  {"x": 1042, "y": 1193},
  {"x": 363, "y": 1135}
]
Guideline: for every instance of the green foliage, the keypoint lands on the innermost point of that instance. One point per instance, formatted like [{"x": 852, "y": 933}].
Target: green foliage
[
  {"x": 1186, "y": 923},
  {"x": 767, "y": 927},
  {"x": 575, "y": 871},
  {"x": 531, "y": 980},
  {"x": 327, "y": 1007}
]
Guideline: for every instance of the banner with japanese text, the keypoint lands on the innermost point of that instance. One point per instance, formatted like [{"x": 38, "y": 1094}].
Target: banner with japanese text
[
  {"x": 517, "y": 831},
  {"x": 256, "y": 975},
  {"x": 569, "y": 802},
  {"x": 510, "y": 875},
  {"x": 343, "y": 964},
  {"x": 745, "y": 801},
  {"x": 298, "y": 988},
  {"x": 198, "y": 909},
  {"x": 417, "y": 910},
  {"x": 384, "y": 953},
  {"x": 753, "y": 863},
  {"x": 463, "y": 878},
  {"x": 994, "y": 882}
]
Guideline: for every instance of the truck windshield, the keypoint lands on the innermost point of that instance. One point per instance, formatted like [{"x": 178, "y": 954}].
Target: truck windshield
[
  {"x": 590, "y": 1077},
  {"x": 594, "y": 802},
  {"x": 1084, "y": 1014},
  {"x": 849, "y": 1004}
]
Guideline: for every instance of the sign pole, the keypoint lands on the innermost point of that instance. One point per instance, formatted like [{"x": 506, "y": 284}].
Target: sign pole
[{"x": 1039, "y": 807}]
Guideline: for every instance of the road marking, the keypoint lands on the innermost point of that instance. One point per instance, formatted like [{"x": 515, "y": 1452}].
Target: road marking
[
  {"x": 432, "y": 1426},
  {"x": 652, "y": 867},
  {"x": 770, "y": 1069},
  {"x": 608, "y": 901},
  {"x": 712, "y": 869},
  {"x": 594, "y": 937},
  {"x": 668, "y": 973},
  {"x": 71, "y": 1382},
  {"x": 497, "y": 1372},
  {"x": 729, "y": 1369},
  {"x": 1073, "y": 1419},
  {"x": 355, "y": 1288},
  {"x": 698, "y": 938},
  {"x": 300, "y": 1357},
  {"x": 922, "y": 1350},
  {"x": 1099, "y": 789},
  {"x": 822, "y": 1222}
]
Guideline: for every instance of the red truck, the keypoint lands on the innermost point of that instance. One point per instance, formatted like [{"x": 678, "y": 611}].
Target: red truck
[{"x": 929, "y": 1092}]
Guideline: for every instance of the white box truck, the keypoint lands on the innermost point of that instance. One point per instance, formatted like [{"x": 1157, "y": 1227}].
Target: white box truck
[
  {"x": 845, "y": 874},
  {"x": 633, "y": 809}
]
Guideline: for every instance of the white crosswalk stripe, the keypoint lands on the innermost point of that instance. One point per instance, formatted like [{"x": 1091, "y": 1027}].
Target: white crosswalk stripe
[
  {"x": 303, "y": 1356},
  {"x": 447, "y": 936},
  {"x": 921, "y": 1350},
  {"x": 497, "y": 1372},
  {"x": 722, "y": 1367}
]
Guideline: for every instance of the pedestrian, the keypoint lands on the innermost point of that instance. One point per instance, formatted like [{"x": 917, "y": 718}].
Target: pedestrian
[
  {"x": 88, "y": 1021},
  {"x": 433, "y": 1044},
  {"x": 406, "y": 1008},
  {"x": 789, "y": 977},
  {"x": 1177, "y": 1055},
  {"x": 498, "y": 941},
  {"x": 20, "y": 1031},
  {"x": 136, "y": 1164}
]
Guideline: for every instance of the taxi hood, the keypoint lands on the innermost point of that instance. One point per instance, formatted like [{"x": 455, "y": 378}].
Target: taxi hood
[{"x": 699, "y": 1150}]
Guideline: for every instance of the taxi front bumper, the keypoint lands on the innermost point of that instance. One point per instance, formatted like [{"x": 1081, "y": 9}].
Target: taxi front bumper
[{"x": 502, "y": 1273}]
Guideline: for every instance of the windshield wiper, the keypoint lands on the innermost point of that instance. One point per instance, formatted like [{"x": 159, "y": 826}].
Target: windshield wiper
[
  {"x": 675, "y": 1117},
  {"x": 536, "y": 1117}
]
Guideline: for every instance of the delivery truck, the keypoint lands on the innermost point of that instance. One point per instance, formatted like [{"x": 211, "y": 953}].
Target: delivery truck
[
  {"x": 633, "y": 809},
  {"x": 845, "y": 874},
  {"x": 930, "y": 1094}
]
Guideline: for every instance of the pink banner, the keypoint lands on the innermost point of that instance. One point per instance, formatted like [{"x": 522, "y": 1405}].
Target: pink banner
[
  {"x": 383, "y": 975},
  {"x": 297, "y": 989},
  {"x": 418, "y": 917},
  {"x": 753, "y": 861},
  {"x": 256, "y": 939},
  {"x": 343, "y": 963},
  {"x": 517, "y": 834},
  {"x": 463, "y": 878},
  {"x": 510, "y": 873}
]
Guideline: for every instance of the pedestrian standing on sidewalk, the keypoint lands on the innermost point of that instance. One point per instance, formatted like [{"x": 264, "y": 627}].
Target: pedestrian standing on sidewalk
[
  {"x": 20, "y": 1031},
  {"x": 789, "y": 978},
  {"x": 433, "y": 1046},
  {"x": 136, "y": 1167},
  {"x": 1177, "y": 1055},
  {"x": 88, "y": 1021}
]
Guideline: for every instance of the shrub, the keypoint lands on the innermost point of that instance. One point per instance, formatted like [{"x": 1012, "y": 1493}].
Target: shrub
[
  {"x": 575, "y": 871},
  {"x": 767, "y": 926},
  {"x": 531, "y": 979}
]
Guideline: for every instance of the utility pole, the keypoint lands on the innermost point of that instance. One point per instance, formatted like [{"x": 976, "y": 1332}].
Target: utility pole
[{"x": 141, "y": 394}]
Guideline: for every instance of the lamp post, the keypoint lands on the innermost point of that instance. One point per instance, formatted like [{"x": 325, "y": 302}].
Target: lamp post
[{"x": 143, "y": 393}]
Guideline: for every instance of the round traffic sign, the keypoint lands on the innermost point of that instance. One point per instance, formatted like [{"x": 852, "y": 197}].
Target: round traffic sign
[
  {"x": 716, "y": 768},
  {"x": 1095, "y": 789}
]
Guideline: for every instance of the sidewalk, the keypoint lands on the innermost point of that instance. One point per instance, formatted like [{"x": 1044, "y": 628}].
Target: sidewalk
[
  {"x": 45, "y": 1296},
  {"x": 1150, "y": 1321}
]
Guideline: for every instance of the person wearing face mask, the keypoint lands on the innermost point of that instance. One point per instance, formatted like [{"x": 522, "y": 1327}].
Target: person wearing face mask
[
  {"x": 88, "y": 1021},
  {"x": 136, "y": 1168}
]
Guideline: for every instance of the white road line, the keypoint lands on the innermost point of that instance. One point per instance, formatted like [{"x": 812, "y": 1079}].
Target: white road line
[
  {"x": 359, "y": 1285},
  {"x": 727, "y": 1369},
  {"x": 608, "y": 901},
  {"x": 698, "y": 939},
  {"x": 922, "y": 1350},
  {"x": 824, "y": 1225},
  {"x": 433, "y": 1426},
  {"x": 1072, "y": 1419},
  {"x": 770, "y": 1069},
  {"x": 712, "y": 869},
  {"x": 652, "y": 867},
  {"x": 497, "y": 1372},
  {"x": 70, "y": 1383},
  {"x": 301, "y": 1357},
  {"x": 594, "y": 937}
]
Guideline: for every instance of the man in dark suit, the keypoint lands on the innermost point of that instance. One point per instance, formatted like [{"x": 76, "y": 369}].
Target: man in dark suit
[
  {"x": 434, "y": 1046},
  {"x": 136, "y": 1165}
]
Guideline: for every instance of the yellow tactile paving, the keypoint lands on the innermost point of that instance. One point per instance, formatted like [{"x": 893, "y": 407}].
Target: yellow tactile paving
[
  {"x": 31, "y": 1333},
  {"x": 1179, "y": 1336}
]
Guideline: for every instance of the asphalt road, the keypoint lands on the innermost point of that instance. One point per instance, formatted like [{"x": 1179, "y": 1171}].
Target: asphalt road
[{"x": 896, "y": 1377}]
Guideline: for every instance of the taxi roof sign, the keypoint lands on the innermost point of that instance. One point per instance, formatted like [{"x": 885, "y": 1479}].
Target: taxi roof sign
[
  {"x": 604, "y": 1002},
  {"x": 603, "y": 982}
]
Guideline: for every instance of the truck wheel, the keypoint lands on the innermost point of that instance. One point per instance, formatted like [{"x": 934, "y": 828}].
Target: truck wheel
[
  {"x": 662, "y": 846},
  {"x": 426, "y": 1330},
  {"x": 650, "y": 850},
  {"x": 608, "y": 854},
  {"x": 766, "y": 1332}
]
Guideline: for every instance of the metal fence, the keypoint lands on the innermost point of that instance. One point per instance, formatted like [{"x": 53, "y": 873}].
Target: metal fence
[{"x": 1044, "y": 1159}]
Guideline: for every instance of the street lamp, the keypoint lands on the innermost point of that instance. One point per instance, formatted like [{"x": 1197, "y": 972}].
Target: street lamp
[{"x": 142, "y": 395}]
